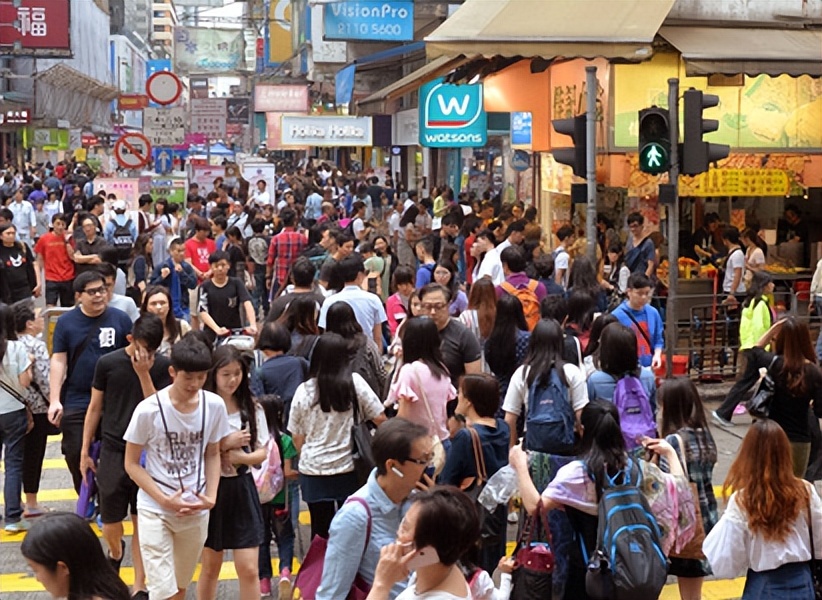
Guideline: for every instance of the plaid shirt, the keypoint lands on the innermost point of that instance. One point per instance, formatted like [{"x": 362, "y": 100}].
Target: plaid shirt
[{"x": 284, "y": 249}]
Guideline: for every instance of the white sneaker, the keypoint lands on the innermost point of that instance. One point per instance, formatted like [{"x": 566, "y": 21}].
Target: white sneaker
[{"x": 720, "y": 421}]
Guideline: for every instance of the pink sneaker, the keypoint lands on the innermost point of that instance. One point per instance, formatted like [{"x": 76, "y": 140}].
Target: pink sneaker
[
  {"x": 265, "y": 587},
  {"x": 740, "y": 409}
]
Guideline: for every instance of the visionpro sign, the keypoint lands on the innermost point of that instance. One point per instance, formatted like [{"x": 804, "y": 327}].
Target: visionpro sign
[
  {"x": 452, "y": 116},
  {"x": 375, "y": 20}
]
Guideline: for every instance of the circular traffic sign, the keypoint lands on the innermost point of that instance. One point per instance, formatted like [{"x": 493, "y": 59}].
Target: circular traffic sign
[
  {"x": 164, "y": 87},
  {"x": 132, "y": 151}
]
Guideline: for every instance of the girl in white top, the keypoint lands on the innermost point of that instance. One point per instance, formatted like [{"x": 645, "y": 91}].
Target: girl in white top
[
  {"x": 236, "y": 521},
  {"x": 439, "y": 527},
  {"x": 754, "y": 255},
  {"x": 765, "y": 530}
]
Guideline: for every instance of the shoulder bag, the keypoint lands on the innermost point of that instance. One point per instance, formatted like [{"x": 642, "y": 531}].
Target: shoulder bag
[
  {"x": 437, "y": 448},
  {"x": 361, "y": 445},
  {"x": 534, "y": 561},
  {"x": 759, "y": 406},
  {"x": 693, "y": 549}
]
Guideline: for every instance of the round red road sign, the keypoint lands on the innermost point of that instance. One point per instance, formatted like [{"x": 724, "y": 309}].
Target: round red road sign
[{"x": 164, "y": 87}]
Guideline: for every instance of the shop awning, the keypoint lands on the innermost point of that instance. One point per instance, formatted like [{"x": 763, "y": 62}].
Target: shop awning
[
  {"x": 614, "y": 29},
  {"x": 752, "y": 51},
  {"x": 70, "y": 80},
  {"x": 344, "y": 80},
  {"x": 442, "y": 65}
]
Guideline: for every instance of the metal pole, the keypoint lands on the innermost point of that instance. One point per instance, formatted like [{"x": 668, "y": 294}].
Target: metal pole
[
  {"x": 673, "y": 229},
  {"x": 591, "y": 162}
]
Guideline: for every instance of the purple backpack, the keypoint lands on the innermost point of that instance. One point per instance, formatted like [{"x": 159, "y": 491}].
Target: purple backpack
[{"x": 635, "y": 415}]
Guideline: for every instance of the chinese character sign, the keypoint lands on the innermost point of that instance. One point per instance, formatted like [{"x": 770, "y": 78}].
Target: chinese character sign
[{"x": 35, "y": 24}]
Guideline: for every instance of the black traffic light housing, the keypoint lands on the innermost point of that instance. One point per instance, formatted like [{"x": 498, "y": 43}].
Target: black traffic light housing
[
  {"x": 697, "y": 155},
  {"x": 574, "y": 157},
  {"x": 654, "y": 140}
]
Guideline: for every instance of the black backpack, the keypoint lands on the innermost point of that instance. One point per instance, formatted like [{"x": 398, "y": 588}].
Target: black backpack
[
  {"x": 123, "y": 241},
  {"x": 628, "y": 562}
]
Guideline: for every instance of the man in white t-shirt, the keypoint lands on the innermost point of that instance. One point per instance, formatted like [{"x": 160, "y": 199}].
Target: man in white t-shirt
[
  {"x": 260, "y": 196},
  {"x": 490, "y": 266},
  {"x": 180, "y": 428},
  {"x": 367, "y": 307},
  {"x": 565, "y": 235},
  {"x": 733, "y": 284}
]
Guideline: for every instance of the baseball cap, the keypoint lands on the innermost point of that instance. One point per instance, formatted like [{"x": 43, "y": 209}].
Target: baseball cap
[{"x": 119, "y": 205}]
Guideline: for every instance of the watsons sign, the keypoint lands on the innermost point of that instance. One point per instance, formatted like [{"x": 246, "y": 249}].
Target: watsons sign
[
  {"x": 374, "y": 20},
  {"x": 452, "y": 116},
  {"x": 326, "y": 131}
]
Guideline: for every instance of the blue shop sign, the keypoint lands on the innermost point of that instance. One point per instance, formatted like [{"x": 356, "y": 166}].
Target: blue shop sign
[
  {"x": 452, "y": 116},
  {"x": 375, "y": 20},
  {"x": 521, "y": 128}
]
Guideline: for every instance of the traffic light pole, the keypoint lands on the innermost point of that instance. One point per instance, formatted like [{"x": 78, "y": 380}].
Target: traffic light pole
[
  {"x": 591, "y": 162},
  {"x": 673, "y": 230}
]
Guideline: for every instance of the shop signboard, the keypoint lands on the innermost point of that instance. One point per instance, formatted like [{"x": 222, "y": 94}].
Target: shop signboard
[
  {"x": 36, "y": 26},
  {"x": 200, "y": 50},
  {"x": 132, "y": 102},
  {"x": 452, "y": 116},
  {"x": 173, "y": 189},
  {"x": 209, "y": 117},
  {"x": 738, "y": 182},
  {"x": 281, "y": 98},
  {"x": 47, "y": 139},
  {"x": 326, "y": 131},
  {"x": 16, "y": 117},
  {"x": 164, "y": 126},
  {"x": 237, "y": 111},
  {"x": 278, "y": 42},
  {"x": 406, "y": 127},
  {"x": 373, "y": 20},
  {"x": 521, "y": 128}
]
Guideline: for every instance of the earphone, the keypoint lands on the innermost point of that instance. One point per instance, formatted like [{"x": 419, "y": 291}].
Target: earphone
[{"x": 397, "y": 472}]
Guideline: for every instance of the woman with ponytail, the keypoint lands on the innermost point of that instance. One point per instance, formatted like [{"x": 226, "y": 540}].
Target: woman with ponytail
[{"x": 578, "y": 486}]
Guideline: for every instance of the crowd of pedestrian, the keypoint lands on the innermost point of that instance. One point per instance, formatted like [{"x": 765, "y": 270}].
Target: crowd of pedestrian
[{"x": 380, "y": 357}]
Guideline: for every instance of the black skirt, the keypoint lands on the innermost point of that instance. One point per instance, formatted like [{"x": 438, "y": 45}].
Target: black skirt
[{"x": 236, "y": 521}]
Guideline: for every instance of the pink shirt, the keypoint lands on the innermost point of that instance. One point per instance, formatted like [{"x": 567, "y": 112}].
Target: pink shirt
[{"x": 409, "y": 385}]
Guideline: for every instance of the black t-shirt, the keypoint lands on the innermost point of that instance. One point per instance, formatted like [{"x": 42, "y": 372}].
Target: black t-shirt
[
  {"x": 224, "y": 304},
  {"x": 115, "y": 377},
  {"x": 86, "y": 248},
  {"x": 459, "y": 347},
  {"x": 279, "y": 305},
  {"x": 236, "y": 256},
  {"x": 789, "y": 411},
  {"x": 17, "y": 271}
]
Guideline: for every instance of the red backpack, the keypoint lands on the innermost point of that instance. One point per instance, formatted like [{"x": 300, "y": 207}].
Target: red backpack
[{"x": 527, "y": 296}]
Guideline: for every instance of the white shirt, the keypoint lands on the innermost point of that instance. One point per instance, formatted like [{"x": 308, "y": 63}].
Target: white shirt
[
  {"x": 261, "y": 198},
  {"x": 491, "y": 265},
  {"x": 185, "y": 461},
  {"x": 235, "y": 423},
  {"x": 367, "y": 307},
  {"x": 394, "y": 223},
  {"x": 736, "y": 260},
  {"x": 516, "y": 398},
  {"x": 752, "y": 550},
  {"x": 327, "y": 448}
]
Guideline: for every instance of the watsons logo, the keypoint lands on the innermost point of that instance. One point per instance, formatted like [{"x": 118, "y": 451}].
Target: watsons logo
[
  {"x": 452, "y": 116},
  {"x": 371, "y": 10}
]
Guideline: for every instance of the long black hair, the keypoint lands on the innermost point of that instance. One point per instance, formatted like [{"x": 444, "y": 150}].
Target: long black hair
[
  {"x": 603, "y": 446},
  {"x": 421, "y": 341},
  {"x": 617, "y": 351},
  {"x": 545, "y": 352},
  {"x": 331, "y": 368},
  {"x": 594, "y": 339},
  {"x": 67, "y": 538},
  {"x": 222, "y": 357},
  {"x": 501, "y": 345},
  {"x": 8, "y": 331},
  {"x": 274, "y": 411}
]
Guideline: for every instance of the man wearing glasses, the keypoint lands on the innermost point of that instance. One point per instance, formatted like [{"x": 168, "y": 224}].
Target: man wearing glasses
[
  {"x": 640, "y": 248},
  {"x": 84, "y": 334},
  {"x": 460, "y": 347}
]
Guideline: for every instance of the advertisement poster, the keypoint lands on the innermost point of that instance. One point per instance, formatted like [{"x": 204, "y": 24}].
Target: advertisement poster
[
  {"x": 124, "y": 189},
  {"x": 198, "y": 50}
]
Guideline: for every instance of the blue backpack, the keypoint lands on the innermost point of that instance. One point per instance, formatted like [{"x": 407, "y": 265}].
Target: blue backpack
[
  {"x": 628, "y": 562},
  {"x": 549, "y": 425},
  {"x": 636, "y": 418}
]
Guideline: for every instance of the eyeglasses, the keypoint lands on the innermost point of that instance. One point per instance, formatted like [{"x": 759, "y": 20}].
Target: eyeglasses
[
  {"x": 98, "y": 291},
  {"x": 423, "y": 461},
  {"x": 429, "y": 307}
]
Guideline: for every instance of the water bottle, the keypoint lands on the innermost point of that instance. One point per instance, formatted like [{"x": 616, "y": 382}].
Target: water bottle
[{"x": 499, "y": 488}]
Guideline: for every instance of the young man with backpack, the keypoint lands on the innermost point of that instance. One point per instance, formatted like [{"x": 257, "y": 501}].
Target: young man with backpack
[
  {"x": 122, "y": 379},
  {"x": 528, "y": 291},
  {"x": 637, "y": 314},
  {"x": 425, "y": 254},
  {"x": 121, "y": 232}
]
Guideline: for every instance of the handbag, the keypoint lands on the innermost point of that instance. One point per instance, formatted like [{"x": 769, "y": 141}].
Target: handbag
[
  {"x": 310, "y": 575},
  {"x": 759, "y": 406},
  {"x": 693, "y": 549},
  {"x": 532, "y": 578},
  {"x": 437, "y": 449},
  {"x": 816, "y": 564},
  {"x": 361, "y": 446}
]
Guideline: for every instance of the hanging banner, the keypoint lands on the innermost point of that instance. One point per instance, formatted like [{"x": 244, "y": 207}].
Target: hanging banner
[{"x": 201, "y": 51}]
